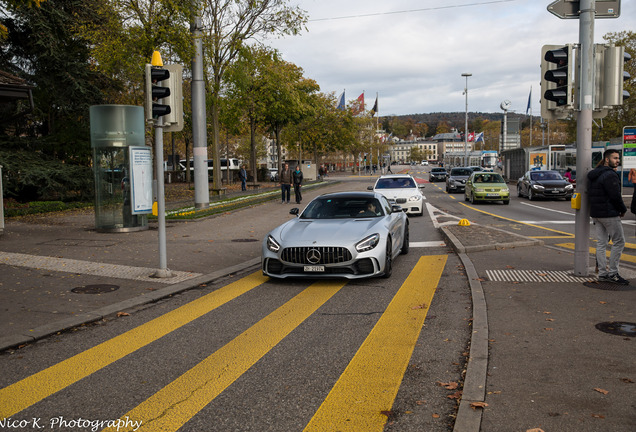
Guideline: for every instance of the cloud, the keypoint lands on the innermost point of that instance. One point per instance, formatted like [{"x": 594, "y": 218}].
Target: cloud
[{"x": 414, "y": 60}]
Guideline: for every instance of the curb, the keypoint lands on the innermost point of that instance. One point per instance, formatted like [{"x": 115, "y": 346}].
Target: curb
[
  {"x": 98, "y": 314},
  {"x": 460, "y": 248}
]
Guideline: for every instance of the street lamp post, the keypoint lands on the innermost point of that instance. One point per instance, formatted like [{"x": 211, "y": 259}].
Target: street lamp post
[{"x": 466, "y": 123}]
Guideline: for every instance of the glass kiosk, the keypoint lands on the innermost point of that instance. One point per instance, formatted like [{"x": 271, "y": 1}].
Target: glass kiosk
[{"x": 115, "y": 130}]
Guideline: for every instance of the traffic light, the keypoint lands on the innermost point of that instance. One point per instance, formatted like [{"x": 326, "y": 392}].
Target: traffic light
[
  {"x": 164, "y": 93},
  {"x": 556, "y": 68},
  {"x": 614, "y": 75},
  {"x": 155, "y": 92}
]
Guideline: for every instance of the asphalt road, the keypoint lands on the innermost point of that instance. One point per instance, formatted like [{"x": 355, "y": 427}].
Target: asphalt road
[{"x": 251, "y": 353}]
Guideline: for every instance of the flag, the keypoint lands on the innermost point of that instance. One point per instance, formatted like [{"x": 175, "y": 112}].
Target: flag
[
  {"x": 529, "y": 101},
  {"x": 479, "y": 137},
  {"x": 375, "y": 107},
  {"x": 341, "y": 102},
  {"x": 359, "y": 105},
  {"x": 471, "y": 136}
]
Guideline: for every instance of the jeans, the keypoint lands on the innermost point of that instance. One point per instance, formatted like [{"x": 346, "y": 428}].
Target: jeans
[
  {"x": 609, "y": 229},
  {"x": 286, "y": 191},
  {"x": 243, "y": 184}
]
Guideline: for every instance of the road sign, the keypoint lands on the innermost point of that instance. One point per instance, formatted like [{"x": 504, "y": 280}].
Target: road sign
[{"x": 570, "y": 9}]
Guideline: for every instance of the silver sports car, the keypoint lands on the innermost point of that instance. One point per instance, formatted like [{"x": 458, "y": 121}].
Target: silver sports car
[{"x": 346, "y": 234}]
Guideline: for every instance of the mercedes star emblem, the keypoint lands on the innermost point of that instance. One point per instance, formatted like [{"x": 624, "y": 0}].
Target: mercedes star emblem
[{"x": 313, "y": 256}]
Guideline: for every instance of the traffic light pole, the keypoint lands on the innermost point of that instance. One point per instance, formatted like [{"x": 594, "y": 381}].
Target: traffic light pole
[
  {"x": 163, "y": 271},
  {"x": 584, "y": 135}
]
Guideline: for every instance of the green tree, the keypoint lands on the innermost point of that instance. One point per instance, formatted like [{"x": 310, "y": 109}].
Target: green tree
[
  {"x": 43, "y": 47},
  {"x": 229, "y": 24}
]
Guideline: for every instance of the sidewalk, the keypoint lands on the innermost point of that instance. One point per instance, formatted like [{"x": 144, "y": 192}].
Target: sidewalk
[{"x": 538, "y": 360}]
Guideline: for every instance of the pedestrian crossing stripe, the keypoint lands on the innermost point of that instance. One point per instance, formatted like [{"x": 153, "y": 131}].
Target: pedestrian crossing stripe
[
  {"x": 370, "y": 383},
  {"x": 30, "y": 390}
]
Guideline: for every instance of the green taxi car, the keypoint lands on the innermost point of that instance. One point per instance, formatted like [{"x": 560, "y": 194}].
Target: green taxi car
[{"x": 486, "y": 186}]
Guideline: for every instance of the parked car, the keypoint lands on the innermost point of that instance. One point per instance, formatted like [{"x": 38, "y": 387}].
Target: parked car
[
  {"x": 424, "y": 163},
  {"x": 544, "y": 184},
  {"x": 486, "y": 186},
  {"x": 437, "y": 174},
  {"x": 403, "y": 190},
  {"x": 456, "y": 181},
  {"x": 347, "y": 234}
]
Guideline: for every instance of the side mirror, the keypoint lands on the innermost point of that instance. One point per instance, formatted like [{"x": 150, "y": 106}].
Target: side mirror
[
  {"x": 369, "y": 187},
  {"x": 294, "y": 211},
  {"x": 421, "y": 185}
]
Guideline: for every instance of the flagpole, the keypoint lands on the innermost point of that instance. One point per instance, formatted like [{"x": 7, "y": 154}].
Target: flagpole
[{"x": 377, "y": 119}]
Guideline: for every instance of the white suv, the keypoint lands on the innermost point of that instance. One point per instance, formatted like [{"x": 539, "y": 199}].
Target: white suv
[{"x": 403, "y": 190}]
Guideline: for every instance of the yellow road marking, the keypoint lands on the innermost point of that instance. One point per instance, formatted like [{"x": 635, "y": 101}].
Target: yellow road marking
[
  {"x": 175, "y": 404},
  {"x": 34, "y": 388},
  {"x": 519, "y": 222},
  {"x": 624, "y": 257},
  {"x": 370, "y": 382}
]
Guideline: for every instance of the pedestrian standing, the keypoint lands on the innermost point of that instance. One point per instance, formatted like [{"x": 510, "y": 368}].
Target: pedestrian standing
[
  {"x": 243, "y": 177},
  {"x": 285, "y": 183},
  {"x": 297, "y": 178},
  {"x": 606, "y": 209}
]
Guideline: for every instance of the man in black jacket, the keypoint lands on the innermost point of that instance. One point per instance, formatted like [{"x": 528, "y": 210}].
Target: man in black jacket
[{"x": 606, "y": 209}]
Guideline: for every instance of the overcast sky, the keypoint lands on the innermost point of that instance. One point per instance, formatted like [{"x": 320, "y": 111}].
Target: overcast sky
[{"x": 412, "y": 53}]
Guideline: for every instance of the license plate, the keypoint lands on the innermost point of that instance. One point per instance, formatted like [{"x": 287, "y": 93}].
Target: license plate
[
  {"x": 314, "y": 268},
  {"x": 555, "y": 191},
  {"x": 492, "y": 194}
]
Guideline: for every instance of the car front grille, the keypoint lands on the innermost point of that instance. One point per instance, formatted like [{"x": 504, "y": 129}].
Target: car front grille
[
  {"x": 400, "y": 200},
  {"x": 321, "y": 255}
]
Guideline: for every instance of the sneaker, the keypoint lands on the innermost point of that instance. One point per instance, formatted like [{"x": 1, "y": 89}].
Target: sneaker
[{"x": 615, "y": 278}]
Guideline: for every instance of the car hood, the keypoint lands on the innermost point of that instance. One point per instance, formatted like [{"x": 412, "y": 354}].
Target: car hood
[
  {"x": 551, "y": 183},
  {"x": 326, "y": 232},
  {"x": 399, "y": 193},
  {"x": 490, "y": 185},
  {"x": 458, "y": 177}
]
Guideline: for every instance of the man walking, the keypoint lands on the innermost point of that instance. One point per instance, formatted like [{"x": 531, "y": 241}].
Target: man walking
[
  {"x": 243, "y": 177},
  {"x": 297, "y": 177},
  {"x": 606, "y": 209},
  {"x": 285, "y": 183}
]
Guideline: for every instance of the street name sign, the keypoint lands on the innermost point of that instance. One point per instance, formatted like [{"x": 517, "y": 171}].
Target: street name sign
[{"x": 570, "y": 9}]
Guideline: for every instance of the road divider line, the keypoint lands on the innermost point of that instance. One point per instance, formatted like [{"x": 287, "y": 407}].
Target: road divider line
[
  {"x": 624, "y": 257},
  {"x": 172, "y": 406},
  {"x": 36, "y": 387},
  {"x": 566, "y": 234},
  {"x": 364, "y": 393}
]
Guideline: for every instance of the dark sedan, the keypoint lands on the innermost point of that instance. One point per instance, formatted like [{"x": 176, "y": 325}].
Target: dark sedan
[
  {"x": 456, "y": 181},
  {"x": 438, "y": 174},
  {"x": 544, "y": 184}
]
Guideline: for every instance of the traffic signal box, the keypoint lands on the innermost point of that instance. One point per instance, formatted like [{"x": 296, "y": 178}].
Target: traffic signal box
[
  {"x": 164, "y": 94},
  {"x": 560, "y": 83},
  {"x": 557, "y": 67}
]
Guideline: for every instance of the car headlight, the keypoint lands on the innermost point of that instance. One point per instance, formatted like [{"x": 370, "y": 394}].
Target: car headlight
[
  {"x": 538, "y": 187},
  {"x": 368, "y": 243},
  {"x": 272, "y": 244},
  {"x": 479, "y": 189},
  {"x": 569, "y": 186},
  {"x": 415, "y": 198}
]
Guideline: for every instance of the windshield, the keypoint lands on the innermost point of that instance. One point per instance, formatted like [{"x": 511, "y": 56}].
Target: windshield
[
  {"x": 342, "y": 208},
  {"x": 461, "y": 172},
  {"x": 488, "y": 178},
  {"x": 547, "y": 175},
  {"x": 395, "y": 183}
]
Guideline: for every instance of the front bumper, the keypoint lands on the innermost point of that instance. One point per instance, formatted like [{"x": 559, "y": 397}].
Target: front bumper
[
  {"x": 456, "y": 187},
  {"x": 553, "y": 193},
  {"x": 492, "y": 196}
]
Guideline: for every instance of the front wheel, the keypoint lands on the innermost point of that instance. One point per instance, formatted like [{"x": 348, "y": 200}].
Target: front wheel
[
  {"x": 506, "y": 202},
  {"x": 405, "y": 242},
  {"x": 472, "y": 198},
  {"x": 388, "y": 260},
  {"x": 519, "y": 194},
  {"x": 531, "y": 196}
]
